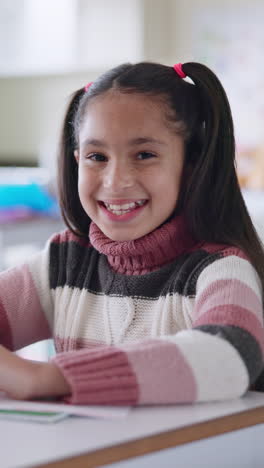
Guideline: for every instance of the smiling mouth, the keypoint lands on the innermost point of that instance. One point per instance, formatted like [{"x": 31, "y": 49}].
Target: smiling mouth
[{"x": 119, "y": 209}]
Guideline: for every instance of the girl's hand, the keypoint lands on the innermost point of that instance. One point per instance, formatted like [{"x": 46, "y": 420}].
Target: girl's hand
[{"x": 23, "y": 379}]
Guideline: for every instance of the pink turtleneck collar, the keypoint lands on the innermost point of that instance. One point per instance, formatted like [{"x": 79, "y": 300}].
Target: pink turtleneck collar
[{"x": 148, "y": 253}]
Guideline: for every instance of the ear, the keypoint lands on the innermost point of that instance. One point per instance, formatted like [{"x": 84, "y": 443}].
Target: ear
[{"x": 76, "y": 155}]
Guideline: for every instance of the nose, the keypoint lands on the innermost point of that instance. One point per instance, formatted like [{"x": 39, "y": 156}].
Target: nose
[{"x": 118, "y": 176}]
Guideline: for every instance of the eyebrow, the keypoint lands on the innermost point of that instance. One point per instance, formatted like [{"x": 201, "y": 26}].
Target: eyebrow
[{"x": 132, "y": 142}]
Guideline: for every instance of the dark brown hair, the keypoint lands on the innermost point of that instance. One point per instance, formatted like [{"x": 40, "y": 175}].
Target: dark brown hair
[{"x": 210, "y": 195}]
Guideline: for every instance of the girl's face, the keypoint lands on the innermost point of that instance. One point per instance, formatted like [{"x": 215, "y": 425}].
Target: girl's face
[{"x": 130, "y": 164}]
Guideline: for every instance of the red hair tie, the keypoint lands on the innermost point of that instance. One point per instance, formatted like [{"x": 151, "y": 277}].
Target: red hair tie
[
  {"x": 178, "y": 68},
  {"x": 87, "y": 86}
]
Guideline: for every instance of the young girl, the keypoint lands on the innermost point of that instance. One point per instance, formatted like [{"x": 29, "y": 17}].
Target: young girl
[{"x": 154, "y": 293}]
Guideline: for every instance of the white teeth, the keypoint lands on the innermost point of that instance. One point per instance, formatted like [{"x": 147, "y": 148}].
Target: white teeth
[{"x": 121, "y": 209}]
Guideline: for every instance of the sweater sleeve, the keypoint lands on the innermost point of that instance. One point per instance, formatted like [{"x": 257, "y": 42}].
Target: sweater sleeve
[
  {"x": 25, "y": 302},
  {"x": 218, "y": 358}
]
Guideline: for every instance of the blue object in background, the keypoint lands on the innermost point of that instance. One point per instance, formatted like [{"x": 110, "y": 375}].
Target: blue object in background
[{"x": 30, "y": 196}]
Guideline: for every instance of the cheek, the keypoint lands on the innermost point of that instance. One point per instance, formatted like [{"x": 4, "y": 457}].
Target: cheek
[
  {"x": 85, "y": 181},
  {"x": 167, "y": 180}
]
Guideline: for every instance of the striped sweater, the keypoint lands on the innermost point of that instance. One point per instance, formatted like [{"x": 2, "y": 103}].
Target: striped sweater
[{"x": 151, "y": 321}]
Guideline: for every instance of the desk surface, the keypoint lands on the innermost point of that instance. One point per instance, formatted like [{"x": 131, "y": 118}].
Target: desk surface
[{"x": 83, "y": 443}]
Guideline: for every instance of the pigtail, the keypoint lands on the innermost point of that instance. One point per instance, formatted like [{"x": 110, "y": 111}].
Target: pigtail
[
  {"x": 214, "y": 205},
  {"x": 212, "y": 173},
  {"x": 72, "y": 211}
]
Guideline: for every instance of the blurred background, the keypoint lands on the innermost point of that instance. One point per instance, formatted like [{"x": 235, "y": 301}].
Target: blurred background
[{"x": 49, "y": 48}]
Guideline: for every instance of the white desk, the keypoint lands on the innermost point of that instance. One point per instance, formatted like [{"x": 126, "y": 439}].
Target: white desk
[{"x": 84, "y": 443}]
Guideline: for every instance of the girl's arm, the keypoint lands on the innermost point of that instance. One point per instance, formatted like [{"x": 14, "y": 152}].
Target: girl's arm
[
  {"x": 24, "y": 379},
  {"x": 26, "y": 303},
  {"x": 25, "y": 317}
]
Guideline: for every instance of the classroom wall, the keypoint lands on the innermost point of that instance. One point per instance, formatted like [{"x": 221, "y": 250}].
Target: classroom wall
[
  {"x": 32, "y": 107},
  {"x": 31, "y": 112}
]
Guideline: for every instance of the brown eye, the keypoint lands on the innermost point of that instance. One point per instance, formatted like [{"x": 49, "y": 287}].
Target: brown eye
[
  {"x": 145, "y": 155},
  {"x": 98, "y": 157}
]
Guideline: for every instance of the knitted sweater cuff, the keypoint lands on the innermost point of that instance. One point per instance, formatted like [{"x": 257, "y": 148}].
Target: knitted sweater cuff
[{"x": 98, "y": 376}]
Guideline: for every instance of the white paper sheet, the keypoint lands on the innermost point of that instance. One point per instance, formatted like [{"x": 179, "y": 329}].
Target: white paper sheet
[{"x": 11, "y": 407}]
